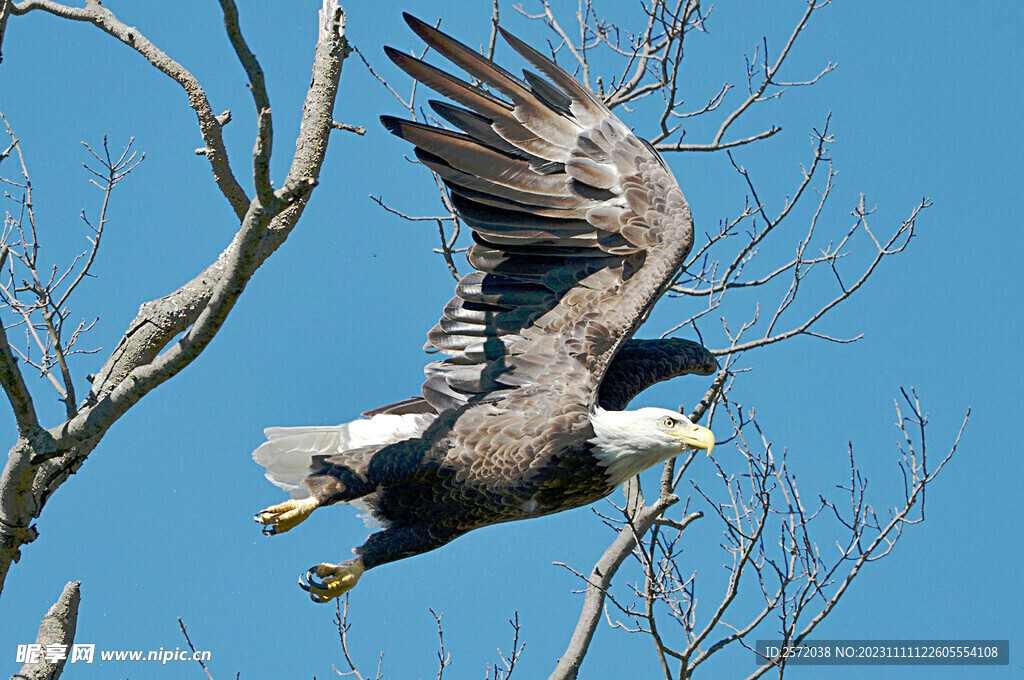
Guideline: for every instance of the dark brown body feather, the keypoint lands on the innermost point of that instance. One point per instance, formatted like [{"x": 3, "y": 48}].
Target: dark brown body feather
[
  {"x": 423, "y": 500},
  {"x": 578, "y": 228}
]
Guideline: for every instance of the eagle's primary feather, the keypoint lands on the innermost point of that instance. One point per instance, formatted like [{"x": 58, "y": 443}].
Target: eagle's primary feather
[{"x": 578, "y": 228}]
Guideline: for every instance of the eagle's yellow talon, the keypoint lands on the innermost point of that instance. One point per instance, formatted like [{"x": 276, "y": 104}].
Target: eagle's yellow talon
[
  {"x": 336, "y": 579},
  {"x": 288, "y": 515}
]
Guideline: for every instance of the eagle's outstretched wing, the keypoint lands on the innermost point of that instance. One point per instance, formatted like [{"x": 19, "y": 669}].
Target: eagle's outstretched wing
[{"x": 578, "y": 225}]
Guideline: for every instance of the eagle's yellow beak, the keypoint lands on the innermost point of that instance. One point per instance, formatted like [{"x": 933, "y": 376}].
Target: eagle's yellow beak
[{"x": 696, "y": 436}]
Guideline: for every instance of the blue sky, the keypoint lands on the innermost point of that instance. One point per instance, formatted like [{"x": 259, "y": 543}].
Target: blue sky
[{"x": 157, "y": 524}]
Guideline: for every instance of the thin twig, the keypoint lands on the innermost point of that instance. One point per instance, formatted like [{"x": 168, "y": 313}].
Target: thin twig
[{"x": 197, "y": 657}]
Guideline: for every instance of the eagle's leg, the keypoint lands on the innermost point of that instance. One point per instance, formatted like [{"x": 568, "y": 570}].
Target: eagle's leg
[
  {"x": 396, "y": 543},
  {"x": 288, "y": 515},
  {"x": 385, "y": 546}
]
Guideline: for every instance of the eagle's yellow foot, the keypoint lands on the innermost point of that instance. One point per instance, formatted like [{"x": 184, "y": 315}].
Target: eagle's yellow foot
[
  {"x": 338, "y": 579},
  {"x": 288, "y": 515}
]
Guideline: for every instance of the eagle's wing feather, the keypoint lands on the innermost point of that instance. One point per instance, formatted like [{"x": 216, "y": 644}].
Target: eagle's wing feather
[{"x": 579, "y": 226}]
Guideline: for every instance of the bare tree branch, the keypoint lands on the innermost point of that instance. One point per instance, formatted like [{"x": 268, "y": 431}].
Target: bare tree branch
[
  {"x": 5, "y": 12},
  {"x": 503, "y": 667},
  {"x": 769, "y": 73},
  {"x": 494, "y": 31},
  {"x": 343, "y": 626},
  {"x": 598, "y": 583},
  {"x": 56, "y": 633},
  {"x": 181, "y": 625},
  {"x": 209, "y": 125},
  {"x": 36, "y": 467},
  {"x": 13, "y": 382},
  {"x": 896, "y": 244},
  {"x": 444, "y": 659},
  {"x": 357, "y": 129},
  {"x": 258, "y": 87},
  {"x": 447, "y": 249}
]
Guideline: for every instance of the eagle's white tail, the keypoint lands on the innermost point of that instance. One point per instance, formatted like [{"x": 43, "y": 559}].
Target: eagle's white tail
[{"x": 288, "y": 453}]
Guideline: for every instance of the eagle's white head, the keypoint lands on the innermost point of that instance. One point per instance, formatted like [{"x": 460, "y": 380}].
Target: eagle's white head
[{"x": 628, "y": 442}]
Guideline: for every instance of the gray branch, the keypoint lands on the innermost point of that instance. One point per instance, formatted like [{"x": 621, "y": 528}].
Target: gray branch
[
  {"x": 209, "y": 125},
  {"x": 42, "y": 460},
  {"x": 5, "y": 11},
  {"x": 17, "y": 392},
  {"x": 56, "y": 628},
  {"x": 598, "y": 584}
]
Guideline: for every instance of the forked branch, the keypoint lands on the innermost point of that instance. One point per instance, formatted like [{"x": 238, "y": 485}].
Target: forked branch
[{"x": 145, "y": 357}]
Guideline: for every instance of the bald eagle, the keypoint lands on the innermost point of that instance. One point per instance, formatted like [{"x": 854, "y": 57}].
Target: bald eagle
[{"x": 579, "y": 227}]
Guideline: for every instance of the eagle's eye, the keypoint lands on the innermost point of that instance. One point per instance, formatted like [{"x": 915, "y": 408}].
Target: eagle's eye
[{"x": 669, "y": 423}]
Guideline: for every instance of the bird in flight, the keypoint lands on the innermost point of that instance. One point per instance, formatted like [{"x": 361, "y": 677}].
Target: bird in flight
[{"x": 578, "y": 228}]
